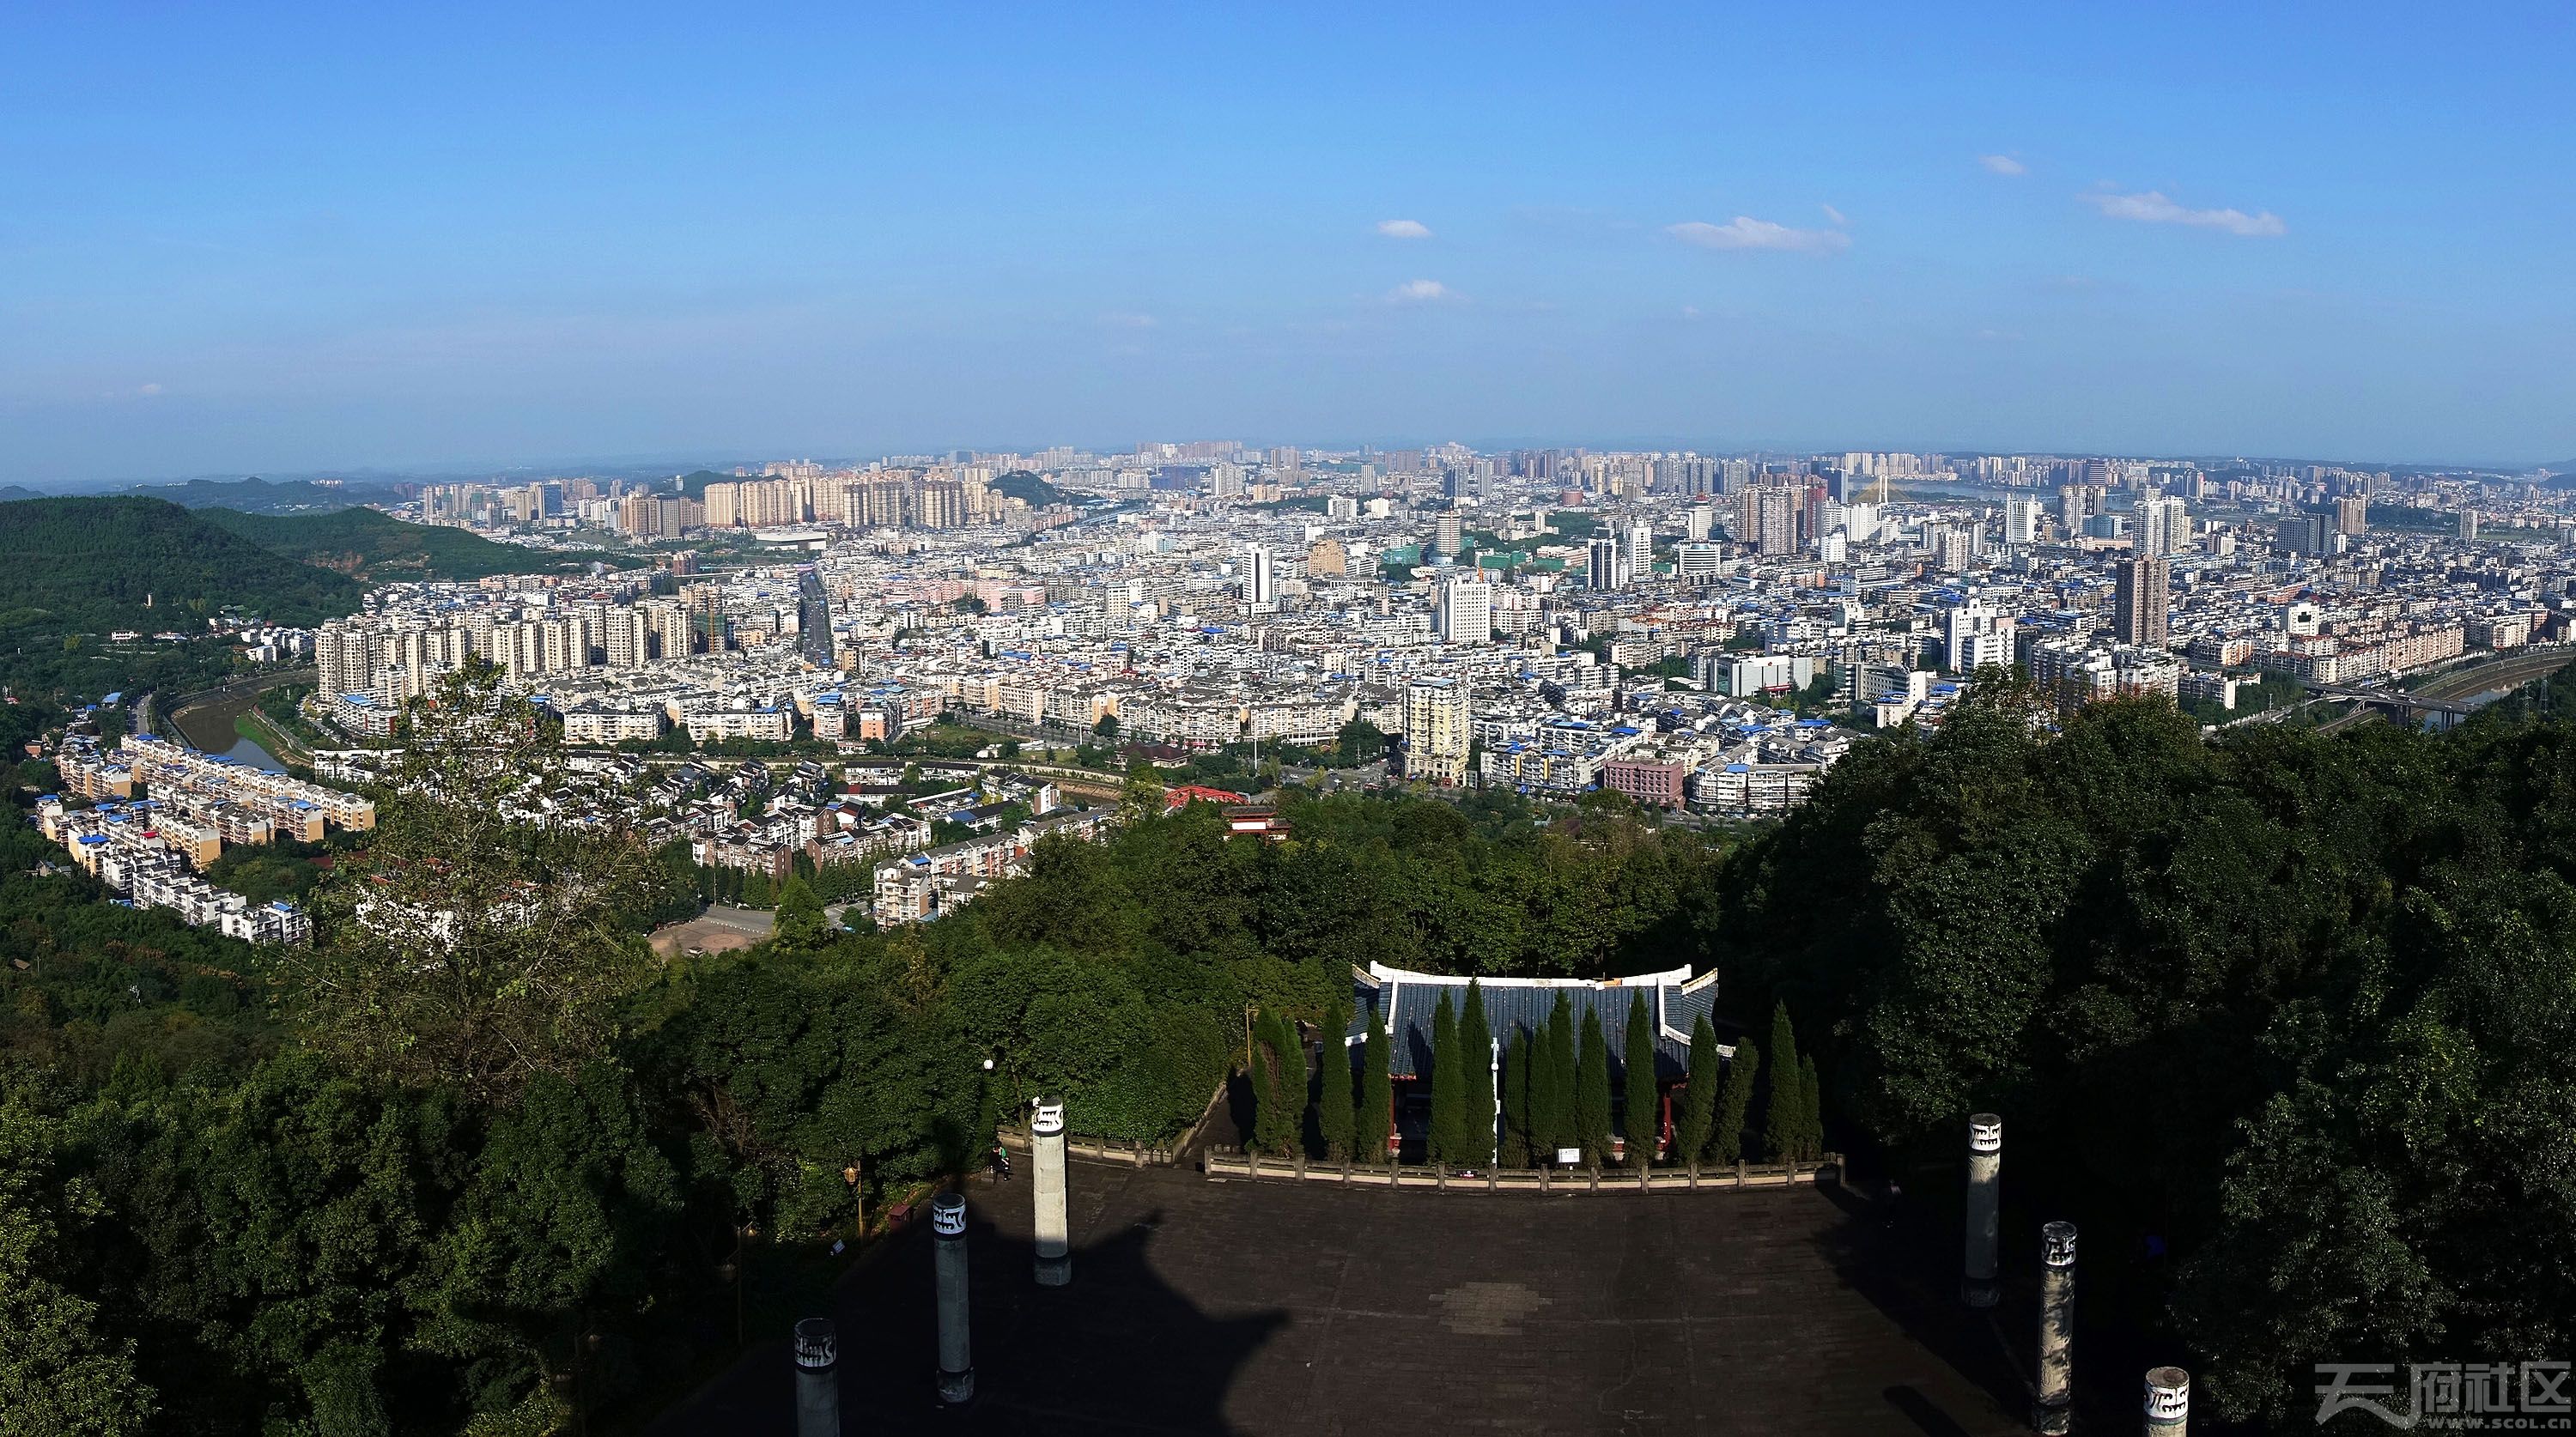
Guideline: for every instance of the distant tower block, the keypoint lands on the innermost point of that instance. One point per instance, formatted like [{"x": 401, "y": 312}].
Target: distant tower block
[
  {"x": 948, "y": 1251},
  {"x": 2168, "y": 1402},
  {"x": 1054, "y": 1233},
  {"x": 2056, "y": 1326},
  {"x": 818, "y": 1382},
  {"x": 1985, "y": 1178}
]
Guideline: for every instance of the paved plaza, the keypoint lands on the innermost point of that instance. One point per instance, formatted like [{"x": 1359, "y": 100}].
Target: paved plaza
[{"x": 1268, "y": 1307}]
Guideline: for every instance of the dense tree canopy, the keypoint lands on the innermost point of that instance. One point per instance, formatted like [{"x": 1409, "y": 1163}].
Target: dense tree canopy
[
  {"x": 2287, "y": 1023},
  {"x": 69, "y": 566},
  {"x": 2299, "y": 1011}
]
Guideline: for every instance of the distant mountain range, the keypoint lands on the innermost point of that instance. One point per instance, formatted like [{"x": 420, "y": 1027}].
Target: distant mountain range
[{"x": 260, "y": 496}]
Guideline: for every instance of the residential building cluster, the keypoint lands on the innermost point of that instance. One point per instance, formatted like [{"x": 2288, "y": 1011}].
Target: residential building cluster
[
  {"x": 1704, "y": 633},
  {"x": 147, "y": 817}
]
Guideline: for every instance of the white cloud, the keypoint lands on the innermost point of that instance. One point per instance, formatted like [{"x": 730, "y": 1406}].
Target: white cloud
[
  {"x": 1420, "y": 291},
  {"x": 1120, "y": 320},
  {"x": 1833, "y": 214},
  {"x": 2003, "y": 165},
  {"x": 1745, "y": 232},
  {"x": 149, "y": 389},
  {"x": 1690, "y": 311},
  {"x": 2153, "y": 207},
  {"x": 1404, "y": 229}
]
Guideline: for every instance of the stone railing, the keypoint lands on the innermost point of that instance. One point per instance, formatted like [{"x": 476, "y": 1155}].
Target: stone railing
[
  {"x": 1123, "y": 1150},
  {"x": 1688, "y": 1178},
  {"x": 1126, "y": 1151}
]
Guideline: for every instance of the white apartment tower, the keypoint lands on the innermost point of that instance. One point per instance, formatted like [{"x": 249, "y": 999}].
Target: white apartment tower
[
  {"x": 1976, "y": 636},
  {"x": 1466, "y": 611},
  {"x": 1639, "y": 545},
  {"x": 2021, "y": 521},
  {"x": 1260, "y": 580}
]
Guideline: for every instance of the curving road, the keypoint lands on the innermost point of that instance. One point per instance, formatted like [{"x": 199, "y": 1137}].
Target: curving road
[{"x": 2512, "y": 671}]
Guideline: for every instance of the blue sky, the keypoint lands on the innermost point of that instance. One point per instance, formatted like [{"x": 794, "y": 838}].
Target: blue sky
[{"x": 258, "y": 238}]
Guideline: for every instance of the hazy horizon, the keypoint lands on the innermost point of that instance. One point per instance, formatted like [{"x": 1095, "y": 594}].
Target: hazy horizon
[{"x": 277, "y": 242}]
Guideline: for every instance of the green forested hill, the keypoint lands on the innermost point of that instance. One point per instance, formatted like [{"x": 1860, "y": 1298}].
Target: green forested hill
[
  {"x": 1036, "y": 492},
  {"x": 377, "y": 548},
  {"x": 70, "y": 566}
]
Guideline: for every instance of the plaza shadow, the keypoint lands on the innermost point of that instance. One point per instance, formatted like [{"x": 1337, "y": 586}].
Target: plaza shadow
[{"x": 1119, "y": 1350}]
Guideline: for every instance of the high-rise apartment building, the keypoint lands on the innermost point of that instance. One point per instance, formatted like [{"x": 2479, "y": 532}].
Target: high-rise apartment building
[
  {"x": 1260, "y": 580},
  {"x": 1448, "y": 535},
  {"x": 2021, "y": 521},
  {"x": 1767, "y": 519},
  {"x": 673, "y": 633},
  {"x": 1436, "y": 730},
  {"x": 626, "y": 637},
  {"x": 2139, "y": 602},
  {"x": 2077, "y": 503},
  {"x": 344, "y": 658},
  {"x": 1976, "y": 636},
  {"x": 2301, "y": 534},
  {"x": 1601, "y": 564},
  {"x": 1467, "y": 611},
  {"x": 2163, "y": 526}
]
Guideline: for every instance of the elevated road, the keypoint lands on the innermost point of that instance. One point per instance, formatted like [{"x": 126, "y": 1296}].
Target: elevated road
[{"x": 2443, "y": 693}]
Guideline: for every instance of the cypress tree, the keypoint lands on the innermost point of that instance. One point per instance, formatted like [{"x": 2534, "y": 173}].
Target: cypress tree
[
  {"x": 1292, "y": 1084},
  {"x": 1787, "y": 1108},
  {"x": 1268, "y": 1098},
  {"x": 1735, "y": 1104},
  {"x": 1811, "y": 1112},
  {"x": 1645, "y": 1117},
  {"x": 1592, "y": 1091},
  {"x": 1476, "y": 1052},
  {"x": 1333, "y": 1094},
  {"x": 1516, "y": 1101},
  {"x": 1448, "y": 1083},
  {"x": 1377, "y": 1094},
  {"x": 1558, "y": 1068},
  {"x": 1698, "y": 1117}
]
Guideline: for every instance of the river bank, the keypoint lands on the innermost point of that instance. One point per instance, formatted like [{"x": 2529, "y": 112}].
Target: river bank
[{"x": 217, "y": 725}]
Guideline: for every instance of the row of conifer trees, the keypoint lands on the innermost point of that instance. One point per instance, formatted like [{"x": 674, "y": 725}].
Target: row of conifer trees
[{"x": 1555, "y": 1092}]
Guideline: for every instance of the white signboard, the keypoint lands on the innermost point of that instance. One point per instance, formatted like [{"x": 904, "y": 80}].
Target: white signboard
[{"x": 1569, "y": 1156}]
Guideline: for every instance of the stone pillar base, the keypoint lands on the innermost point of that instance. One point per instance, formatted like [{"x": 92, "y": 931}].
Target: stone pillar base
[
  {"x": 1055, "y": 1271},
  {"x": 957, "y": 1387}
]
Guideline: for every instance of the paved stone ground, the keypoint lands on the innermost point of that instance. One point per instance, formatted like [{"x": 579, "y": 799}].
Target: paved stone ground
[{"x": 1261, "y": 1308}]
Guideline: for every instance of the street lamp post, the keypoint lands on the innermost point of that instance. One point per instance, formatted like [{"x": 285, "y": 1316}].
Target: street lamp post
[
  {"x": 987, "y": 1122},
  {"x": 732, "y": 1272}
]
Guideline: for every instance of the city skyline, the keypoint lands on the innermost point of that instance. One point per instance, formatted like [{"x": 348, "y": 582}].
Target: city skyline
[{"x": 269, "y": 243}]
